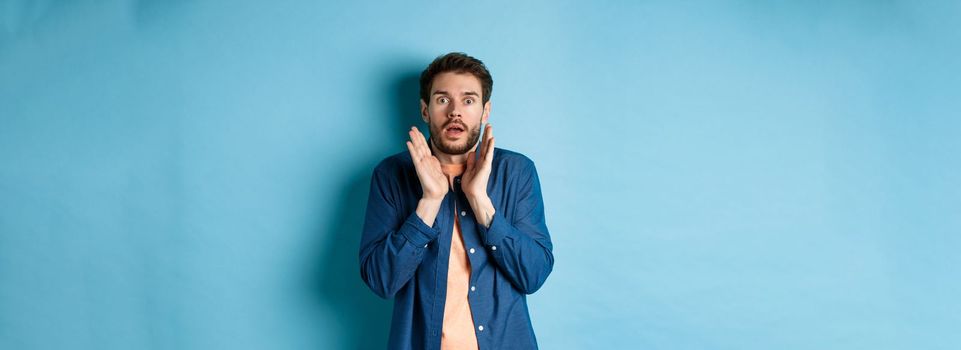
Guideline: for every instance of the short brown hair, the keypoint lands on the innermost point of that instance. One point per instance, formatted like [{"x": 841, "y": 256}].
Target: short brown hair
[{"x": 457, "y": 62}]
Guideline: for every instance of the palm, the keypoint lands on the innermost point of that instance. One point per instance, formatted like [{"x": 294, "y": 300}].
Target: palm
[
  {"x": 478, "y": 172},
  {"x": 432, "y": 179}
]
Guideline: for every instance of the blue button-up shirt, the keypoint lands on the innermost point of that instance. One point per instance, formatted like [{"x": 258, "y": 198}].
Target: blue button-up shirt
[{"x": 403, "y": 258}]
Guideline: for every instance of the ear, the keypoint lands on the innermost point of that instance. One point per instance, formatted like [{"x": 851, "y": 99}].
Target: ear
[
  {"x": 487, "y": 112},
  {"x": 423, "y": 112}
]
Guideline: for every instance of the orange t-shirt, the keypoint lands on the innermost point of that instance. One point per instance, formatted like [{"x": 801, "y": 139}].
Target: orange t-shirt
[{"x": 458, "y": 330}]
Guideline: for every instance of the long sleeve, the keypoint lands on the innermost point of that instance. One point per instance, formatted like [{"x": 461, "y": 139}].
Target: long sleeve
[
  {"x": 522, "y": 249},
  {"x": 393, "y": 242},
  {"x": 404, "y": 259}
]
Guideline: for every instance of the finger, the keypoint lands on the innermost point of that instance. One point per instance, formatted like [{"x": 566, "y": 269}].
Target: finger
[
  {"x": 470, "y": 160},
  {"x": 489, "y": 131},
  {"x": 488, "y": 134},
  {"x": 424, "y": 145},
  {"x": 420, "y": 143},
  {"x": 489, "y": 159},
  {"x": 415, "y": 150},
  {"x": 420, "y": 139},
  {"x": 413, "y": 153},
  {"x": 482, "y": 145}
]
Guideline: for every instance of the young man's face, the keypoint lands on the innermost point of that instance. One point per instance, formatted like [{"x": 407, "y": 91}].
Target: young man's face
[{"x": 454, "y": 112}]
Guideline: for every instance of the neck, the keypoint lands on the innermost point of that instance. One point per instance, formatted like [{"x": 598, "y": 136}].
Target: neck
[{"x": 446, "y": 158}]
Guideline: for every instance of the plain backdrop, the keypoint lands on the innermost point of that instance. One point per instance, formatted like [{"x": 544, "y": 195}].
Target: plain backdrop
[{"x": 192, "y": 174}]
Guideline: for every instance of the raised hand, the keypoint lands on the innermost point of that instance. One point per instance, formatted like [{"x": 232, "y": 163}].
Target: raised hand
[
  {"x": 477, "y": 173},
  {"x": 432, "y": 179}
]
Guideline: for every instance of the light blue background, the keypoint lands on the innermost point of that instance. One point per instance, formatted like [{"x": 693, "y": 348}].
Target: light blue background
[{"x": 717, "y": 175}]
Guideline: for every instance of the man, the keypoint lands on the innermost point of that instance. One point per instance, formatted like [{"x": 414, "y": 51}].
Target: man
[{"x": 456, "y": 234}]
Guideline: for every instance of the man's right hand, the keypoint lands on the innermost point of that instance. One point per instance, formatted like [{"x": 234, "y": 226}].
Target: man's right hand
[{"x": 432, "y": 179}]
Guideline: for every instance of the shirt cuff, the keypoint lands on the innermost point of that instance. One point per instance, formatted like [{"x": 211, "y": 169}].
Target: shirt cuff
[
  {"x": 417, "y": 232},
  {"x": 498, "y": 229}
]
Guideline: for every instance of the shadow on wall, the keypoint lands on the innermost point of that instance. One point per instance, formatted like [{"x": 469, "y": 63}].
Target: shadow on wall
[{"x": 362, "y": 316}]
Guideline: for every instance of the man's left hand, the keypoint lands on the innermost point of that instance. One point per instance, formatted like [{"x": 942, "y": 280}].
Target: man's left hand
[{"x": 476, "y": 175}]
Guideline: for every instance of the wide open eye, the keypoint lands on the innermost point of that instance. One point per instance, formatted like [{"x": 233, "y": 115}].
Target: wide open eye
[
  {"x": 469, "y": 101},
  {"x": 442, "y": 100}
]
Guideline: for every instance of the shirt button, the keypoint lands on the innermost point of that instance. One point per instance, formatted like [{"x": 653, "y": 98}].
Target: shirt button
[
  {"x": 471, "y": 288},
  {"x": 480, "y": 328},
  {"x": 463, "y": 213},
  {"x": 472, "y": 250},
  {"x": 425, "y": 246},
  {"x": 493, "y": 247}
]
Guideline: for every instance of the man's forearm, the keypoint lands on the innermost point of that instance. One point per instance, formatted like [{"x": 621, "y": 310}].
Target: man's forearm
[
  {"x": 427, "y": 210},
  {"x": 483, "y": 209}
]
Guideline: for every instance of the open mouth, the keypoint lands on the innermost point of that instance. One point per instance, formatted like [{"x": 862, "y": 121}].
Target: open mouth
[{"x": 454, "y": 130}]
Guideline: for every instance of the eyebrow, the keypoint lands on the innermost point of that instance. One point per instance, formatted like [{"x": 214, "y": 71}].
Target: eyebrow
[{"x": 467, "y": 93}]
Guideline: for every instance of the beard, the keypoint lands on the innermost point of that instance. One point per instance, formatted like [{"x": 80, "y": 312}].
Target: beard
[{"x": 452, "y": 147}]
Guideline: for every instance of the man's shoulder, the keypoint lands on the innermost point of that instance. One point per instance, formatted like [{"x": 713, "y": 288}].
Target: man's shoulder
[
  {"x": 400, "y": 161},
  {"x": 513, "y": 159}
]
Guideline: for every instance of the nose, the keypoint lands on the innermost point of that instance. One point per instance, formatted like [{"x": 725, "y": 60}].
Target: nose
[{"x": 454, "y": 111}]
